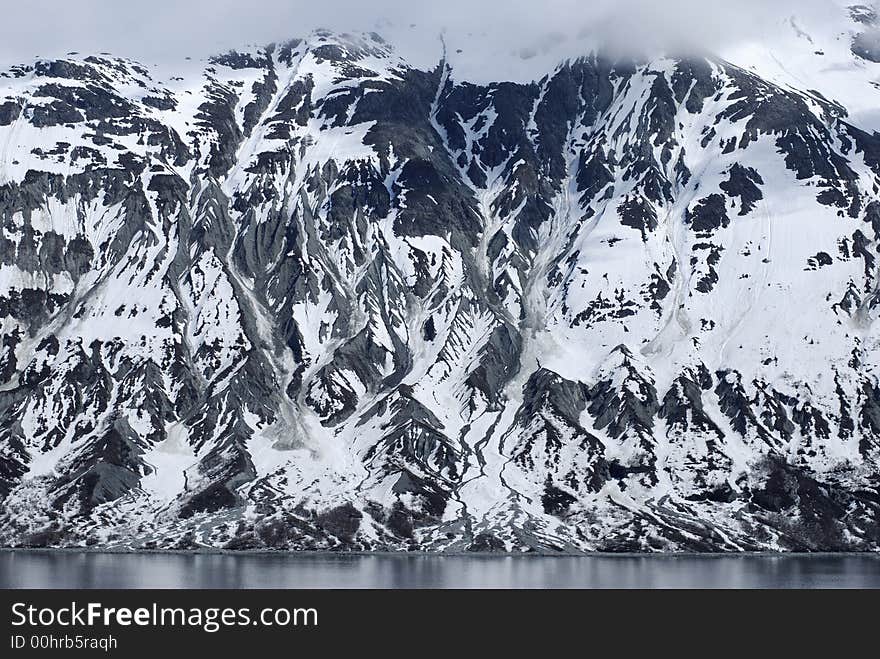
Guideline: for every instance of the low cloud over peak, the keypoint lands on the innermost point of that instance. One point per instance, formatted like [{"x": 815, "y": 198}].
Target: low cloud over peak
[{"x": 507, "y": 34}]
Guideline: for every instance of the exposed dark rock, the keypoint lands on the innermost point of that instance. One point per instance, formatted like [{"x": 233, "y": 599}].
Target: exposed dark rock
[{"x": 355, "y": 305}]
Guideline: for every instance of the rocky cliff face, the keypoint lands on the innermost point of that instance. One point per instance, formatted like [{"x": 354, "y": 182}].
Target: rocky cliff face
[{"x": 312, "y": 297}]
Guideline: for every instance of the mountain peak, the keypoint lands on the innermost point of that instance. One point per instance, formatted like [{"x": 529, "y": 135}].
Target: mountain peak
[{"x": 615, "y": 307}]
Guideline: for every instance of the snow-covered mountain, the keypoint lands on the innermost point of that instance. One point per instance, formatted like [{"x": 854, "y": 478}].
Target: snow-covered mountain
[{"x": 309, "y": 296}]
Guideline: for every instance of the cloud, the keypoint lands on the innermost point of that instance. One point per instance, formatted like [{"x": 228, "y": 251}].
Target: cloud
[{"x": 528, "y": 30}]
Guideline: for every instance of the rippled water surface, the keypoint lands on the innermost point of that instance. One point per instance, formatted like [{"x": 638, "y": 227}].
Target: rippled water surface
[{"x": 32, "y": 569}]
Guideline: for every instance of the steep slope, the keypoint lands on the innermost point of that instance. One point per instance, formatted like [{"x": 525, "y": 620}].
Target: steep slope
[{"x": 312, "y": 297}]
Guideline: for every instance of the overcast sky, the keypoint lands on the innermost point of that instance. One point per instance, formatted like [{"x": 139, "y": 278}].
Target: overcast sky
[{"x": 153, "y": 30}]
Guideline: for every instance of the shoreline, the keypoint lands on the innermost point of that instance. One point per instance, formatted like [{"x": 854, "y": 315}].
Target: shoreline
[{"x": 311, "y": 553}]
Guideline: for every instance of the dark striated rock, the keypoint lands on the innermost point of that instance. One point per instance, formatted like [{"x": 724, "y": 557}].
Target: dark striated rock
[
  {"x": 362, "y": 306},
  {"x": 708, "y": 215},
  {"x": 743, "y": 183},
  {"x": 342, "y": 521}
]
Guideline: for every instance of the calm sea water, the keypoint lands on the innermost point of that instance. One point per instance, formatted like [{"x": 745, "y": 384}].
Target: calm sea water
[{"x": 31, "y": 569}]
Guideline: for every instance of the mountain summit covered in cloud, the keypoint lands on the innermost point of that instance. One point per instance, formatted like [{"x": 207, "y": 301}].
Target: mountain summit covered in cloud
[{"x": 309, "y": 295}]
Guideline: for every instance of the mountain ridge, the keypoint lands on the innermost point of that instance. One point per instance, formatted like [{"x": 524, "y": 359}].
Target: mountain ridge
[{"x": 315, "y": 298}]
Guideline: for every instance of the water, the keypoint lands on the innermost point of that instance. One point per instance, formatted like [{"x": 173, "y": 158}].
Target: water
[{"x": 67, "y": 569}]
